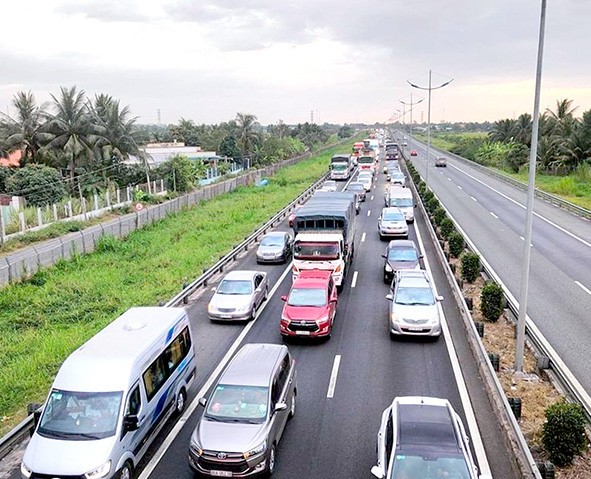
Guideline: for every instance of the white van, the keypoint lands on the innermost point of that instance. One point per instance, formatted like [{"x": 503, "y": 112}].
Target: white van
[
  {"x": 112, "y": 396},
  {"x": 403, "y": 199}
]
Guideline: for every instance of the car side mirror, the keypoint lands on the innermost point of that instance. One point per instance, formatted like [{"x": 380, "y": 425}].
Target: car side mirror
[
  {"x": 131, "y": 422},
  {"x": 389, "y": 297},
  {"x": 203, "y": 401},
  {"x": 420, "y": 256},
  {"x": 280, "y": 406},
  {"x": 378, "y": 472},
  {"x": 384, "y": 256},
  {"x": 284, "y": 298},
  {"x": 439, "y": 298}
]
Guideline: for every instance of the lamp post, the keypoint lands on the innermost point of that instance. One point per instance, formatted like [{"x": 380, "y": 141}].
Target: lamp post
[
  {"x": 429, "y": 88},
  {"x": 411, "y": 104},
  {"x": 533, "y": 153}
]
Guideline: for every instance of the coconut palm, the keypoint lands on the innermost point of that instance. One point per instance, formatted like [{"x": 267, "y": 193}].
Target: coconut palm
[
  {"x": 502, "y": 130},
  {"x": 522, "y": 129},
  {"x": 247, "y": 135}
]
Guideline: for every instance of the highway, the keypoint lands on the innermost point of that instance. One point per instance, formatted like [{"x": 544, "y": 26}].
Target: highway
[
  {"x": 492, "y": 213},
  {"x": 333, "y": 433}
]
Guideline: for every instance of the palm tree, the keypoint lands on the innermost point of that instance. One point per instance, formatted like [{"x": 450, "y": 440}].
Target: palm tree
[
  {"x": 247, "y": 136},
  {"x": 522, "y": 129},
  {"x": 502, "y": 130},
  {"x": 25, "y": 130},
  {"x": 71, "y": 129}
]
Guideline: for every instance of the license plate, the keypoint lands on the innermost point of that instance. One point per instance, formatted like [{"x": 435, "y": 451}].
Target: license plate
[
  {"x": 414, "y": 328},
  {"x": 221, "y": 473},
  {"x": 303, "y": 333},
  {"x": 226, "y": 316}
]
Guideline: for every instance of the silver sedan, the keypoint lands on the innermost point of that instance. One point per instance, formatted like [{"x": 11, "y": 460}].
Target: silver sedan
[{"x": 238, "y": 296}]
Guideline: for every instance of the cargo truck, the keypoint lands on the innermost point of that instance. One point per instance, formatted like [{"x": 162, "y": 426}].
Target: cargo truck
[{"x": 340, "y": 167}]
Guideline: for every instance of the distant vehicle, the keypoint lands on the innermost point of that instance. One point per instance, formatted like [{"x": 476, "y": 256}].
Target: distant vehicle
[
  {"x": 357, "y": 147},
  {"x": 366, "y": 179},
  {"x": 423, "y": 437},
  {"x": 358, "y": 188},
  {"x": 392, "y": 223},
  {"x": 392, "y": 170},
  {"x": 391, "y": 164},
  {"x": 400, "y": 254},
  {"x": 341, "y": 167},
  {"x": 238, "y": 296},
  {"x": 413, "y": 152},
  {"x": 403, "y": 199},
  {"x": 392, "y": 153},
  {"x": 245, "y": 416},
  {"x": 275, "y": 247},
  {"x": 441, "y": 161},
  {"x": 311, "y": 305},
  {"x": 329, "y": 185},
  {"x": 413, "y": 309},
  {"x": 367, "y": 161},
  {"x": 397, "y": 178},
  {"x": 112, "y": 396}
]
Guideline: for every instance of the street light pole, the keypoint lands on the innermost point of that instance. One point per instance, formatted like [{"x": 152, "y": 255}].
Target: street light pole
[
  {"x": 430, "y": 88},
  {"x": 411, "y": 104},
  {"x": 520, "y": 341}
]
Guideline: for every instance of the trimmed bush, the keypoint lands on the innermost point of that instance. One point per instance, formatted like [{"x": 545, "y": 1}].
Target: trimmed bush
[
  {"x": 456, "y": 244},
  {"x": 470, "y": 266},
  {"x": 432, "y": 204},
  {"x": 563, "y": 433},
  {"x": 446, "y": 227},
  {"x": 428, "y": 196},
  {"x": 491, "y": 301},
  {"x": 40, "y": 185},
  {"x": 438, "y": 215}
]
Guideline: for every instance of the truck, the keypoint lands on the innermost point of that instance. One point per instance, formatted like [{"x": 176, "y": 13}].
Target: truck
[
  {"x": 367, "y": 160},
  {"x": 325, "y": 230},
  {"x": 340, "y": 167}
]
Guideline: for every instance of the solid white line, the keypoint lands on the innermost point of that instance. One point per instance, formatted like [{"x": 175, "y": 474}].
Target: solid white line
[
  {"x": 493, "y": 215},
  {"x": 473, "y": 199},
  {"x": 208, "y": 383},
  {"x": 460, "y": 188},
  {"x": 515, "y": 202},
  {"x": 333, "y": 376},
  {"x": 455, "y": 364},
  {"x": 363, "y": 238},
  {"x": 368, "y": 212},
  {"x": 371, "y": 197},
  {"x": 354, "y": 282},
  {"x": 582, "y": 286}
]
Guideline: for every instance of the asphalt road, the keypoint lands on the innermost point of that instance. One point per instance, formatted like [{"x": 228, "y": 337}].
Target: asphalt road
[
  {"x": 335, "y": 437},
  {"x": 492, "y": 213}
]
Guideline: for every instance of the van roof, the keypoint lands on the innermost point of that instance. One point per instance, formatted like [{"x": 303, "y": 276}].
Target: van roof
[
  {"x": 116, "y": 356},
  {"x": 399, "y": 192},
  {"x": 253, "y": 364}
]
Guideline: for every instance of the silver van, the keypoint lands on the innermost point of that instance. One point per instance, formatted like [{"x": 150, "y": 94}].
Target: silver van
[
  {"x": 112, "y": 396},
  {"x": 403, "y": 199},
  {"x": 243, "y": 420}
]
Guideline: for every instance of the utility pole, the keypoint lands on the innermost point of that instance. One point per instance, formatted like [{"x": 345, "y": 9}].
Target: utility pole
[{"x": 411, "y": 104}]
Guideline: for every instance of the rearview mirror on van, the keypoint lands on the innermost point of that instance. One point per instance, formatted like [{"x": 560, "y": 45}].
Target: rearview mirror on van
[
  {"x": 280, "y": 406},
  {"x": 131, "y": 422},
  {"x": 203, "y": 401}
]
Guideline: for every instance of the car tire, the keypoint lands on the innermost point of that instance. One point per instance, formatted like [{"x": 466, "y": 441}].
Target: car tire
[
  {"x": 292, "y": 409},
  {"x": 271, "y": 460},
  {"x": 126, "y": 472},
  {"x": 180, "y": 402},
  {"x": 266, "y": 295},
  {"x": 386, "y": 279},
  {"x": 392, "y": 336}
]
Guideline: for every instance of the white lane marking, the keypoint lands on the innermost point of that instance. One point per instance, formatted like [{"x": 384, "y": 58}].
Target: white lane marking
[
  {"x": 363, "y": 238},
  {"x": 333, "y": 376},
  {"x": 460, "y": 188},
  {"x": 582, "y": 286},
  {"x": 354, "y": 282},
  {"x": 449, "y": 179},
  {"x": 149, "y": 469},
  {"x": 371, "y": 197},
  {"x": 515, "y": 202},
  {"x": 523, "y": 239},
  {"x": 368, "y": 212},
  {"x": 455, "y": 364},
  {"x": 473, "y": 199},
  {"x": 493, "y": 215}
]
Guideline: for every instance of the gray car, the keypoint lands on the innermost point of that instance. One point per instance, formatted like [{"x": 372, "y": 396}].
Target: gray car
[
  {"x": 275, "y": 247},
  {"x": 244, "y": 419},
  {"x": 400, "y": 254},
  {"x": 441, "y": 161},
  {"x": 392, "y": 223},
  {"x": 238, "y": 296},
  {"x": 413, "y": 309}
]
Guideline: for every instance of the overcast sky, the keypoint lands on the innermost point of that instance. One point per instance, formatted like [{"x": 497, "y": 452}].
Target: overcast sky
[{"x": 343, "y": 60}]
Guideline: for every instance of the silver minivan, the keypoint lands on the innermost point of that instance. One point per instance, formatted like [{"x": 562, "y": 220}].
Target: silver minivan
[{"x": 246, "y": 413}]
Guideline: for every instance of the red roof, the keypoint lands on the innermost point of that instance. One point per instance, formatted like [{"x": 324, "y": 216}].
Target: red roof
[{"x": 13, "y": 159}]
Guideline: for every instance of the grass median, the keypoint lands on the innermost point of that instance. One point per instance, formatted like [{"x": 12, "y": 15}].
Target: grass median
[{"x": 42, "y": 320}]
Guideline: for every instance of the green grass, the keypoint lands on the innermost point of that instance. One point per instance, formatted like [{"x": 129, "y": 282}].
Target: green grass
[{"x": 42, "y": 320}]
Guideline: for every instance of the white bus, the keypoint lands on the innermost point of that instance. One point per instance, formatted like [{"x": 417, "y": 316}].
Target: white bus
[{"x": 112, "y": 396}]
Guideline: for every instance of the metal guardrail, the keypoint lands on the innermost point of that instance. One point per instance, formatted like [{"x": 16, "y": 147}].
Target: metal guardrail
[
  {"x": 22, "y": 429},
  {"x": 548, "y": 197}
]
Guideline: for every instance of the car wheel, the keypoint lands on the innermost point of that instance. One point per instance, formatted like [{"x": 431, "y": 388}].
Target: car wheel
[
  {"x": 292, "y": 409},
  {"x": 126, "y": 472},
  {"x": 271, "y": 460},
  {"x": 266, "y": 296},
  {"x": 392, "y": 336},
  {"x": 386, "y": 279},
  {"x": 181, "y": 400}
]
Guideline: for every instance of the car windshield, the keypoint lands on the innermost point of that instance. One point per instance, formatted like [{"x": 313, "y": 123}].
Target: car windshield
[
  {"x": 355, "y": 187},
  {"x": 413, "y": 295},
  {"x": 401, "y": 202},
  {"x": 233, "y": 286},
  {"x": 339, "y": 166},
  {"x": 317, "y": 251},
  {"x": 80, "y": 416},
  {"x": 410, "y": 466},
  {"x": 402, "y": 254},
  {"x": 272, "y": 241},
  {"x": 393, "y": 216},
  {"x": 364, "y": 178},
  {"x": 231, "y": 403},
  {"x": 315, "y": 297},
  {"x": 365, "y": 159},
  {"x": 396, "y": 174}
]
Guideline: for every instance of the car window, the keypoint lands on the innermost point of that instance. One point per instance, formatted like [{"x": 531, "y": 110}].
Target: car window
[
  {"x": 314, "y": 297},
  {"x": 134, "y": 402},
  {"x": 237, "y": 403},
  {"x": 272, "y": 241},
  {"x": 414, "y": 296},
  {"x": 393, "y": 216},
  {"x": 229, "y": 286},
  {"x": 402, "y": 254}
]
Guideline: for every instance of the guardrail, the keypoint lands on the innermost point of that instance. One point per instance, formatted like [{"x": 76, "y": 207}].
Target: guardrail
[
  {"x": 548, "y": 197},
  {"x": 22, "y": 429}
]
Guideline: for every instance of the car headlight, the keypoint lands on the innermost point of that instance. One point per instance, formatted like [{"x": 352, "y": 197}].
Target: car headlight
[
  {"x": 395, "y": 318},
  {"x": 25, "y": 471},
  {"x": 210, "y": 308},
  {"x": 323, "y": 319},
  {"x": 196, "y": 449},
  {"x": 256, "y": 451},
  {"x": 388, "y": 268},
  {"x": 101, "y": 471}
]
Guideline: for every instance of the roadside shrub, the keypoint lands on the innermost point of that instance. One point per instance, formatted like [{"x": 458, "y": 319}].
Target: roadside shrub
[
  {"x": 421, "y": 189},
  {"x": 432, "y": 204},
  {"x": 438, "y": 215},
  {"x": 491, "y": 301},
  {"x": 40, "y": 185},
  {"x": 456, "y": 244},
  {"x": 563, "y": 433},
  {"x": 446, "y": 227},
  {"x": 470, "y": 266},
  {"x": 428, "y": 196}
]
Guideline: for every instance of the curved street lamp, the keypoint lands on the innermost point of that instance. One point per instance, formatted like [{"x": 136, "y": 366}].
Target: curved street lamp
[
  {"x": 411, "y": 104},
  {"x": 429, "y": 88}
]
